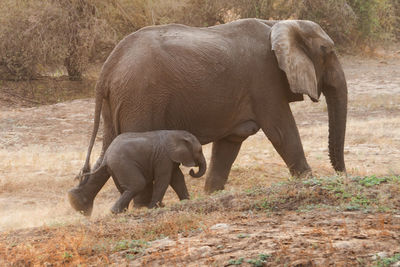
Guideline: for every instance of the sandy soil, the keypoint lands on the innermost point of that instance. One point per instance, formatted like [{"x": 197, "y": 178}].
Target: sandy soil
[{"x": 43, "y": 148}]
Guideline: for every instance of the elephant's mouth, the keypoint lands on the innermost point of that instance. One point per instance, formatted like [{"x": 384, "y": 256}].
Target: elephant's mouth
[{"x": 190, "y": 164}]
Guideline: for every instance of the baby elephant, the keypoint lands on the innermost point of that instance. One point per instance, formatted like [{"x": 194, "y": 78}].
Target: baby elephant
[{"x": 136, "y": 159}]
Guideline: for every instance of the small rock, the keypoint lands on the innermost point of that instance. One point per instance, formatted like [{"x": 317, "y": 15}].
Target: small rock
[
  {"x": 343, "y": 245},
  {"x": 303, "y": 263},
  {"x": 163, "y": 243},
  {"x": 379, "y": 255},
  {"x": 219, "y": 226},
  {"x": 200, "y": 252}
]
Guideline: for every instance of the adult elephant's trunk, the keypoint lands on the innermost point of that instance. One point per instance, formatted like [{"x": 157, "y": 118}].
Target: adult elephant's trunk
[
  {"x": 335, "y": 91},
  {"x": 201, "y": 162}
]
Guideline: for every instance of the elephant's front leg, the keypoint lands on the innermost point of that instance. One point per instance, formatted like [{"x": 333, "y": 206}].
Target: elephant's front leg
[
  {"x": 224, "y": 153},
  {"x": 178, "y": 183},
  {"x": 280, "y": 128},
  {"x": 162, "y": 179}
]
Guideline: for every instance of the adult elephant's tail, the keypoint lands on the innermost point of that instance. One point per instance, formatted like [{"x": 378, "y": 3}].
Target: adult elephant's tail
[{"x": 83, "y": 176}]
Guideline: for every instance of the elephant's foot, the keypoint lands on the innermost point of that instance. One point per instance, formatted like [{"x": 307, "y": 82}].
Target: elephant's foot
[
  {"x": 143, "y": 199},
  {"x": 80, "y": 202},
  {"x": 116, "y": 209},
  {"x": 214, "y": 184},
  {"x": 304, "y": 174},
  {"x": 122, "y": 203},
  {"x": 140, "y": 203},
  {"x": 155, "y": 205}
]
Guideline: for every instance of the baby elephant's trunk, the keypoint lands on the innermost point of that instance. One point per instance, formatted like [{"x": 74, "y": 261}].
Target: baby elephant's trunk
[{"x": 201, "y": 163}]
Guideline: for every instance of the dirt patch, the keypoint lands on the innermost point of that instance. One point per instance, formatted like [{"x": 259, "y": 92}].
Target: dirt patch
[
  {"x": 310, "y": 239},
  {"x": 46, "y": 90}
]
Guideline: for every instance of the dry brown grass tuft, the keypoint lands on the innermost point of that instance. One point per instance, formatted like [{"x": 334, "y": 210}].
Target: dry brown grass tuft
[{"x": 93, "y": 242}]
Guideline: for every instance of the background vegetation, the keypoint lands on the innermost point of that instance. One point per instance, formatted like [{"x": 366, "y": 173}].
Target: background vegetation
[{"x": 39, "y": 36}]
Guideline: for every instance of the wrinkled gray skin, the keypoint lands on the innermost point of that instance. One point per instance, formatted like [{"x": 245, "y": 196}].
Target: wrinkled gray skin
[
  {"x": 134, "y": 159},
  {"x": 222, "y": 84}
]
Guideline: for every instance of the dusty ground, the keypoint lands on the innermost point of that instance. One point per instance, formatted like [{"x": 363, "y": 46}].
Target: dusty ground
[{"x": 42, "y": 148}]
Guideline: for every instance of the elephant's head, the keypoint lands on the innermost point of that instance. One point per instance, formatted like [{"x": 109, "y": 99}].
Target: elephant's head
[
  {"x": 306, "y": 54},
  {"x": 184, "y": 148}
]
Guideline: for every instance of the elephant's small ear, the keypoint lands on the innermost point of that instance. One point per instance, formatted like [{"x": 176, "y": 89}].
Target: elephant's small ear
[{"x": 289, "y": 40}]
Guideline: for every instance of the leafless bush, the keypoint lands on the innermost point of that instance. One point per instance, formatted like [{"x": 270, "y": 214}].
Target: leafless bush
[
  {"x": 396, "y": 12},
  {"x": 36, "y": 35},
  {"x": 124, "y": 16},
  {"x": 25, "y": 44},
  {"x": 202, "y": 13},
  {"x": 335, "y": 16}
]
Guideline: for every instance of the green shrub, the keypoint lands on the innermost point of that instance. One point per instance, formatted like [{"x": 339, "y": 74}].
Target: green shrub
[
  {"x": 375, "y": 19},
  {"x": 336, "y": 17},
  {"x": 396, "y": 19}
]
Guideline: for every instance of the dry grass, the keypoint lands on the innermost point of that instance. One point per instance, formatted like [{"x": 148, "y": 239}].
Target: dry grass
[
  {"x": 93, "y": 242},
  {"x": 125, "y": 237}
]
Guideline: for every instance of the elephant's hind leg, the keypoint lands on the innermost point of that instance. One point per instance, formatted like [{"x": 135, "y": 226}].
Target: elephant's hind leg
[
  {"x": 131, "y": 181},
  {"x": 81, "y": 197}
]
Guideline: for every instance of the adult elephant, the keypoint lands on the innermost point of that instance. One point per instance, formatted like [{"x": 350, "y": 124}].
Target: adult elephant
[{"x": 223, "y": 84}]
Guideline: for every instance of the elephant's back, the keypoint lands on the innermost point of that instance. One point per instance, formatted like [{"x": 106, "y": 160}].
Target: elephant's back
[
  {"x": 176, "y": 42},
  {"x": 131, "y": 145}
]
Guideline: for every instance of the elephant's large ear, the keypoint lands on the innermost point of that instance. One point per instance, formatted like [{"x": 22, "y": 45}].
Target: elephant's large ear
[
  {"x": 180, "y": 151},
  {"x": 296, "y": 43}
]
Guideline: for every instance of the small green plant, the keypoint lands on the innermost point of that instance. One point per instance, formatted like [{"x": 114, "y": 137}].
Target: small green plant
[
  {"x": 372, "y": 180},
  {"x": 361, "y": 200},
  {"x": 242, "y": 235},
  {"x": 67, "y": 255},
  {"x": 264, "y": 257},
  {"x": 312, "y": 181},
  {"x": 264, "y": 205},
  {"x": 255, "y": 262},
  {"x": 236, "y": 262},
  {"x": 121, "y": 245},
  {"x": 384, "y": 262},
  {"x": 131, "y": 245},
  {"x": 258, "y": 262},
  {"x": 336, "y": 186}
]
